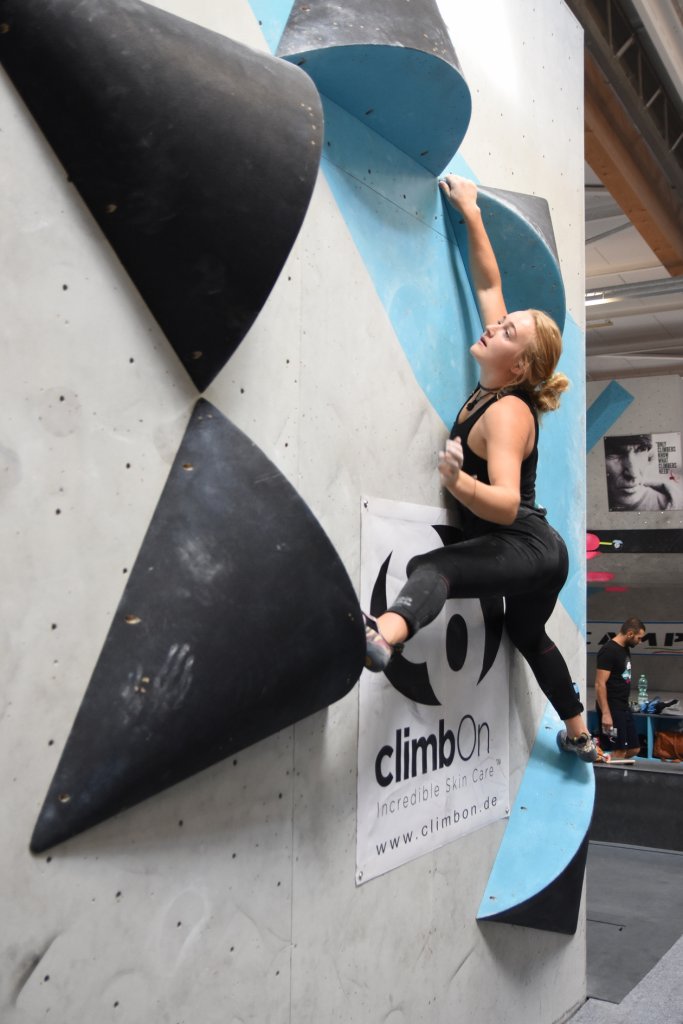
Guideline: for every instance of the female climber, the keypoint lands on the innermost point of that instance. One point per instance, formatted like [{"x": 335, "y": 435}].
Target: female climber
[{"x": 489, "y": 466}]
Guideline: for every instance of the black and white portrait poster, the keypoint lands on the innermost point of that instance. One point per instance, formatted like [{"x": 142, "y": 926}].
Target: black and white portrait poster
[
  {"x": 433, "y": 749},
  {"x": 643, "y": 472}
]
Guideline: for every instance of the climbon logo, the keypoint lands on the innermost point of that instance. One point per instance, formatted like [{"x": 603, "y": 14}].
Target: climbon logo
[{"x": 409, "y": 756}]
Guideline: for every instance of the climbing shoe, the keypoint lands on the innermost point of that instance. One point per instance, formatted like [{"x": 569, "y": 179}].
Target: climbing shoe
[
  {"x": 378, "y": 652},
  {"x": 584, "y": 746}
]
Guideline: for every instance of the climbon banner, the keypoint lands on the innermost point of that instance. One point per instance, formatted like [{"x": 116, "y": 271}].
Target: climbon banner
[{"x": 433, "y": 731}]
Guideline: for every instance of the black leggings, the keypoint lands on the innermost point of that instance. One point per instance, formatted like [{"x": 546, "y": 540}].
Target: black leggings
[{"x": 526, "y": 564}]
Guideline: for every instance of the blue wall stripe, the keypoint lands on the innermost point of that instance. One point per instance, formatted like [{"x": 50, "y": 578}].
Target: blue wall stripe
[
  {"x": 397, "y": 219},
  {"x": 272, "y": 16},
  {"x": 395, "y": 213},
  {"x": 605, "y": 411}
]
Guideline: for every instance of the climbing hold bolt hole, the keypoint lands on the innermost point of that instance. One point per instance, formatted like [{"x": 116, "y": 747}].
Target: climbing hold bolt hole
[
  {"x": 64, "y": 798},
  {"x": 188, "y": 465},
  {"x": 197, "y": 355},
  {"x": 110, "y": 208},
  {"x": 133, "y": 620}
]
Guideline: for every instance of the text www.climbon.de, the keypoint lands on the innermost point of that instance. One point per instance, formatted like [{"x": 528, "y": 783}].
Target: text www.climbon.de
[{"x": 433, "y": 826}]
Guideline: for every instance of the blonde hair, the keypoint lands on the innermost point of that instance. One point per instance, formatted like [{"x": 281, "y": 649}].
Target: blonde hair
[{"x": 543, "y": 385}]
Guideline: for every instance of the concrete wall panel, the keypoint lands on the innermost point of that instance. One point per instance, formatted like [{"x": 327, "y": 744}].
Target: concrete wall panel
[{"x": 231, "y": 897}]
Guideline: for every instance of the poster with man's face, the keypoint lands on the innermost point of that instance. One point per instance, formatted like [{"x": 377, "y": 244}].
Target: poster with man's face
[{"x": 643, "y": 472}]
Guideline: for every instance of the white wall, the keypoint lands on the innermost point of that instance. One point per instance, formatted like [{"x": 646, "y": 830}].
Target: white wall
[
  {"x": 657, "y": 407},
  {"x": 653, "y": 581},
  {"x": 231, "y": 897}
]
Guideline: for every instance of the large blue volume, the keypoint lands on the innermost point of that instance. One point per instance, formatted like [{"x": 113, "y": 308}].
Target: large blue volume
[
  {"x": 537, "y": 876},
  {"x": 390, "y": 65}
]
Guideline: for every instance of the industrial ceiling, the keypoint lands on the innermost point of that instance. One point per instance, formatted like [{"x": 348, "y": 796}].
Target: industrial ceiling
[{"x": 634, "y": 186}]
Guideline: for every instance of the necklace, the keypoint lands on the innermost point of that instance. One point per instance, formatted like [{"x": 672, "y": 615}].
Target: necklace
[{"x": 476, "y": 395}]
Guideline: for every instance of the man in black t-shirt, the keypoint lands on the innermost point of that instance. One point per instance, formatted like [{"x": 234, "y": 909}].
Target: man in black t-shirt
[{"x": 612, "y": 687}]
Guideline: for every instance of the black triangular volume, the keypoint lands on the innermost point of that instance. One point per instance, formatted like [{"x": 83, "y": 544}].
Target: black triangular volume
[
  {"x": 556, "y": 907},
  {"x": 390, "y": 65},
  {"x": 196, "y": 155},
  {"x": 237, "y": 620}
]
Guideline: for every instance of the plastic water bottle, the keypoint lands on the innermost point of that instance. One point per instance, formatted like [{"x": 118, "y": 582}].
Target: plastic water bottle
[{"x": 642, "y": 690}]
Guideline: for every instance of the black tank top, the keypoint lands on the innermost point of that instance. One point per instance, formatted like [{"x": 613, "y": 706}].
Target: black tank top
[{"x": 476, "y": 466}]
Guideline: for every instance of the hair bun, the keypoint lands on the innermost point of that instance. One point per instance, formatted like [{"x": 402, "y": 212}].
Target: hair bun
[{"x": 548, "y": 392}]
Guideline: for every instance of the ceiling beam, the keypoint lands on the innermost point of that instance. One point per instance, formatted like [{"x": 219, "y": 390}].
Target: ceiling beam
[
  {"x": 623, "y": 161},
  {"x": 611, "y": 369},
  {"x": 602, "y": 346}
]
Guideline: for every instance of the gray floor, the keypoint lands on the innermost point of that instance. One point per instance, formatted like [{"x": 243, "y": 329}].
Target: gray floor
[
  {"x": 634, "y": 930},
  {"x": 655, "y": 1000},
  {"x": 634, "y": 936}
]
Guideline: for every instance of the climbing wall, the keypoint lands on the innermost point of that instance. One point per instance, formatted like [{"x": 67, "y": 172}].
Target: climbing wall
[{"x": 194, "y": 852}]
